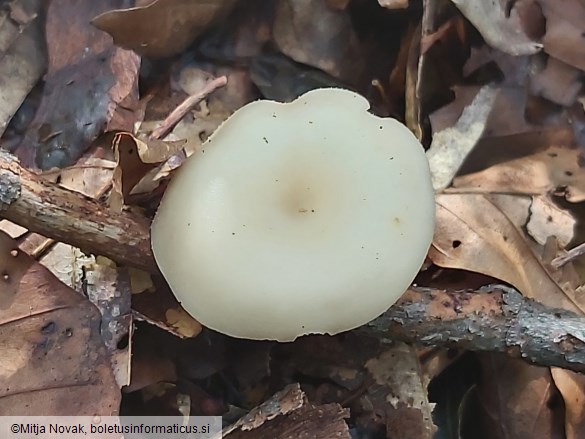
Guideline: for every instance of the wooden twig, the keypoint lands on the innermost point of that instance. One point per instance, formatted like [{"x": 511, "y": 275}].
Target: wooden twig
[
  {"x": 178, "y": 113},
  {"x": 496, "y": 319},
  {"x": 52, "y": 211},
  {"x": 572, "y": 254}
]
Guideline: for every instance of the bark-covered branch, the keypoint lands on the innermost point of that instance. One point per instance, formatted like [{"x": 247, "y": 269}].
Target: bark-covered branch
[
  {"x": 496, "y": 319},
  {"x": 50, "y": 210}
]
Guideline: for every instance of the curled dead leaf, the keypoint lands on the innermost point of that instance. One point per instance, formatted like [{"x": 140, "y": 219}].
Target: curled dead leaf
[
  {"x": 177, "y": 24},
  {"x": 473, "y": 234}
]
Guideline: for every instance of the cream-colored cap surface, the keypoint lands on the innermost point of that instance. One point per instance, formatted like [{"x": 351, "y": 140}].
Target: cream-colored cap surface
[{"x": 307, "y": 217}]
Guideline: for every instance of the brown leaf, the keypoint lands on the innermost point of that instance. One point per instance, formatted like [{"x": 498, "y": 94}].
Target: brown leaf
[
  {"x": 472, "y": 233},
  {"x": 49, "y": 327},
  {"x": 244, "y": 33},
  {"x": 160, "y": 308},
  {"x": 563, "y": 39},
  {"x": 328, "y": 43},
  {"x": 137, "y": 164},
  {"x": 87, "y": 80},
  {"x": 514, "y": 68},
  {"x": 281, "y": 79},
  {"x": 24, "y": 60},
  {"x": 571, "y": 385},
  {"x": 558, "y": 82},
  {"x": 164, "y": 27},
  {"x": 517, "y": 400},
  {"x": 500, "y": 29},
  {"x": 555, "y": 170},
  {"x": 148, "y": 369}
]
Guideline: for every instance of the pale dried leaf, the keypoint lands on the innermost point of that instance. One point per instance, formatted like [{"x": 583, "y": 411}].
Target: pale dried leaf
[
  {"x": 137, "y": 163},
  {"x": 158, "y": 151},
  {"x": 91, "y": 176},
  {"x": 554, "y": 170},
  {"x": 473, "y": 234},
  {"x": 451, "y": 145},
  {"x": 140, "y": 281},
  {"x": 547, "y": 219},
  {"x": 328, "y": 43},
  {"x": 499, "y": 30},
  {"x": 564, "y": 30},
  {"x": 14, "y": 230},
  {"x": 23, "y": 57},
  {"x": 182, "y": 322},
  {"x": 558, "y": 82},
  {"x": 515, "y": 207},
  {"x": 571, "y": 385},
  {"x": 393, "y": 4}
]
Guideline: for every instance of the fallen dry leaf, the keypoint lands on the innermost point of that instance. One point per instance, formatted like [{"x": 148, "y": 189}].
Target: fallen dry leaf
[
  {"x": 137, "y": 165},
  {"x": 516, "y": 399},
  {"x": 87, "y": 81},
  {"x": 500, "y": 29},
  {"x": 160, "y": 308},
  {"x": 393, "y": 4},
  {"x": 451, "y": 146},
  {"x": 328, "y": 43},
  {"x": 164, "y": 27},
  {"x": 515, "y": 69},
  {"x": 46, "y": 326},
  {"x": 571, "y": 385},
  {"x": 23, "y": 57},
  {"x": 556, "y": 170},
  {"x": 472, "y": 233},
  {"x": 148, "y": 369},
  {"x": 563, "y": 39},
  {"x": 281, "y": 79},
  {"x": 558, "y": 82},
  {"x": 515, "y": 207},
  {"x": 547, "y": 219}
]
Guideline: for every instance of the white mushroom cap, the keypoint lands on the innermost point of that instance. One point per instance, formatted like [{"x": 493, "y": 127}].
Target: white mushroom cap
[{"x": 308, "y": 217}]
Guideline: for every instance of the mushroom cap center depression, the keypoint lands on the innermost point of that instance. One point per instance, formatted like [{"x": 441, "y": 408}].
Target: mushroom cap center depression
[{"x": 296, "y": 218}]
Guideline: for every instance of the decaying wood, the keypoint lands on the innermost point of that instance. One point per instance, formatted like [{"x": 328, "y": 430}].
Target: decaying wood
[
  {"x": 495, "y": 319},
  {"x": 288, "y": 415},
  {"x": 46, "y": 208}
]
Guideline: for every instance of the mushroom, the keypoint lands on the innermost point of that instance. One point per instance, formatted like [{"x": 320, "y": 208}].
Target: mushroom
[{"x": 307, "y": 217}]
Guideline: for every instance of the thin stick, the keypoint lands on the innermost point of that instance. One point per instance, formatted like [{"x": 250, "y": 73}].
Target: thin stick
[
  {"x": 46, "y": 208},
  {"x": 178, "y": 113},
  {"x": 571, "y": 254}
]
